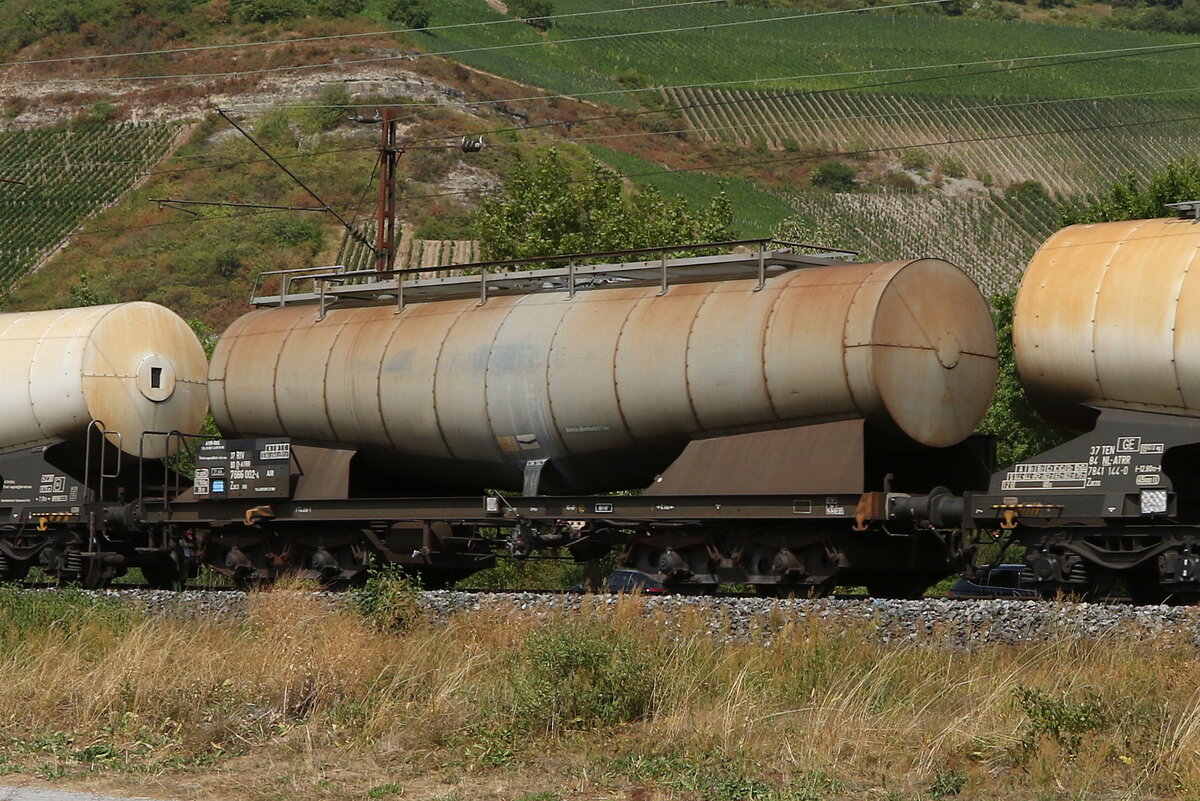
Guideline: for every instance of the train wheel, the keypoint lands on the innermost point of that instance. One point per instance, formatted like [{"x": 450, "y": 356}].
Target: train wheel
[{"x": 92, "y": 574}]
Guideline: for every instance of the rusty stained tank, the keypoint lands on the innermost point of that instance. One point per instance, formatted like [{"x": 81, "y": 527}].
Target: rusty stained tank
[
  {"x": 1108, "y": 315},
  {"x": 609, "y": 386},
  {"x": 132, "y": 366}
]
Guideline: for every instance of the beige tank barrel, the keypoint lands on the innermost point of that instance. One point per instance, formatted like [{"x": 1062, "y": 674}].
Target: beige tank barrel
[
  {"x": 1108, "y": 315},
  {"x": 610, "y": 385},
  {"x": 132, "y": 366}
]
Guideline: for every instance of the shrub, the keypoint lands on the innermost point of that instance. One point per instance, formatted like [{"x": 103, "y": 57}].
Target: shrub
[
  {"x": 389, "y": 599},
  {"x": 275, "y": 127},
  {"x": 632, "y": 79},
  {"x": 952, "y": 167},
  {"x": 270, "y": 10},
  {"x": 1029, "y": 191},
  {"x": 332, "y": 101},
  {"x": 915, "y": 159},
  {"x": 337, "y": 8},
  {"x": 834, "y": 175},
  {"x": 899, "y": 181},
  {"x": 1064, "y": 720},
  {"x": 579, "y": 675}
]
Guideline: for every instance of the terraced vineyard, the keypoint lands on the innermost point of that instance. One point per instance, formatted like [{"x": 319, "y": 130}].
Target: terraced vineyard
[
  {"x": 778, "y": 47},
  {"x": 974, "y": 233},
  {"x": 987, "y": 138},
  {"x": 68, "y": 175}
]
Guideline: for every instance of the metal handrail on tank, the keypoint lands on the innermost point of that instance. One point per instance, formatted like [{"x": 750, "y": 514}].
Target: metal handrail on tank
[
  {"x": 287, "y": 277},
  {"x": 579, "y": 266}
]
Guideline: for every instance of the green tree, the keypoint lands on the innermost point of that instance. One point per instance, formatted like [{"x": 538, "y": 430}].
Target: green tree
[
  {"x": 337, "y": 8},
  {"x": 1020, "y": 431},
  {"x": 1127, "y": 199},
  {"x": 409, "y": 13},
  {"x": 535, "y": 12},
  {"x": 87, "y": 294},
  {"x": 544, "y": 209}
]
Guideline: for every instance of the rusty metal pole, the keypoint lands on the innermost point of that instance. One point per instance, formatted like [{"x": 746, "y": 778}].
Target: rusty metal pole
[{"x": 385, "y": 234}]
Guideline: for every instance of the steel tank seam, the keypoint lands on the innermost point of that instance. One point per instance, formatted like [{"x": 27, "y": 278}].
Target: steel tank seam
[
  {"x": 1112, "y": 256},
  {"x": 550, "y": 361},
  {"x": 33, "y": 407},
  {"x": 1187, "y": 272},
  {"x": 278, "y": 362},
  {"x": 487, "y": 369},
  {"x": 613, "y": 367},
  {"x": 687, "y": 358},
  {"x": 398, "y": 317},
  {"x": 437, "y": 371},
  {"x": 328, "y": 362},
  {"x": 765, "y": 336},
  {"x": 857, "y": 306}
]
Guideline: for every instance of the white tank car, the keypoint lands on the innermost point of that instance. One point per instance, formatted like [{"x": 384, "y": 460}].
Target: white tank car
[
  {"x": 132, "y": 366},
  {"x": 610, "y": 385}
]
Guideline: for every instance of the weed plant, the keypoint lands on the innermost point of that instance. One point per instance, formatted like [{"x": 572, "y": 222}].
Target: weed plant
[{"x": 317, "y": 699}]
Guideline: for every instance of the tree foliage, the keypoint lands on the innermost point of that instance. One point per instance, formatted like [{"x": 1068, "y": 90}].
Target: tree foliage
[
  {"x": 535, "y": 12},
  {"x": 1127, "y": 199},
  {"x": 1020, "y": 431},
  {"x": 546, "y": 209},
  {"x": 410, "y": 13}
]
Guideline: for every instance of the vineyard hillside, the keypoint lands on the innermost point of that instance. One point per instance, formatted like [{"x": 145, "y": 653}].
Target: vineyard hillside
[
  {"x": 990, "y": 241},
  {"x": 779, "y": 48},
  {"x": 1072, "y": 147},
  {"x": 898, "y": 132},
  {"x": 55, "y": 178}
]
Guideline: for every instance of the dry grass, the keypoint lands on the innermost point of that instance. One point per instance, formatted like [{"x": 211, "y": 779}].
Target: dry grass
[{"x": 302, "y": 702}]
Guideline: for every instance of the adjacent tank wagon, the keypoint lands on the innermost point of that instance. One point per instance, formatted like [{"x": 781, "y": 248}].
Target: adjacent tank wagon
[
  {"x": 1107, "y": 340},
  {"x": 84, "y": 386}
]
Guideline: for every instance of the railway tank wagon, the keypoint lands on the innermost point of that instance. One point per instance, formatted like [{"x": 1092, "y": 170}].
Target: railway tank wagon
[
  {"x": 1107, "y": 340},
  {"x": 84, "y": 384},
  {"x": 771, "y": 402}
]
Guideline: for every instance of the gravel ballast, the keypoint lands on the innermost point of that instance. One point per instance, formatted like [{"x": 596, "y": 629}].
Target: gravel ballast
[{"x": 925, "y": 620}]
